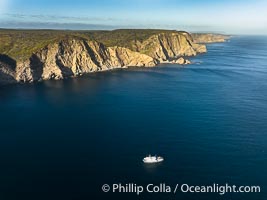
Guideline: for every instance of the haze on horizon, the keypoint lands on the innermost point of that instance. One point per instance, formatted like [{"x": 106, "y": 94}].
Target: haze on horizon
[{"x": 226, "y": 16}]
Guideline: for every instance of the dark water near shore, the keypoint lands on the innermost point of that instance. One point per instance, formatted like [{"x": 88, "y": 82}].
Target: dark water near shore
[{"x": 65, "y": 139}]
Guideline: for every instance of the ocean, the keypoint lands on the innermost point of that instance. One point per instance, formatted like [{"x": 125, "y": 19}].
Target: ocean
[{"x": 66, "y": 139}]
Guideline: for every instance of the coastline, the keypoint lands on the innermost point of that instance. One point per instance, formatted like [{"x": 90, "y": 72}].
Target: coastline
[{"x": 69, "y": 55}]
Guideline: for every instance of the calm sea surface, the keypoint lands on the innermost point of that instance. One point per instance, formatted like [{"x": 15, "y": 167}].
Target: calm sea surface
[{"x": 65, "y": 139}]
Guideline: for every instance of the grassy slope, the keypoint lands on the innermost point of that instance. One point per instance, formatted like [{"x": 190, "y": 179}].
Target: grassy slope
[
  {"x": 20, "y": 44},
  {"x": 124, "y": 37}
]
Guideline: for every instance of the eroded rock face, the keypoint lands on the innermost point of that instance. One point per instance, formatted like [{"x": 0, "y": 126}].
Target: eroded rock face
[
  {"x": 75, "y": 57},
  {"x": 7, "y": 70},
  {"x": 165, "y": 46},
  {"x": 72, "y": 57},
  {"x": 6, "y": 74}
]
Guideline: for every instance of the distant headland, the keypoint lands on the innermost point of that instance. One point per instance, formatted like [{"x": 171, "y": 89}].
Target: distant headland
[{"x": 36, "y": 55}]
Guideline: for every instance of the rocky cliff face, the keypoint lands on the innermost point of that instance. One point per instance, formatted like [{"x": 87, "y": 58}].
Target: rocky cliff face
[
  {"x": 169, "y": 45},
  {"x": 7, "y": 70},
  {"x": 72, "y": 57},
  {"x": 209, "y": 38}
]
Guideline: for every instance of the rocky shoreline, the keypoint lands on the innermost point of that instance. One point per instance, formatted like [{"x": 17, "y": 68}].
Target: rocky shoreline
[{"x": 74, "y": 56}]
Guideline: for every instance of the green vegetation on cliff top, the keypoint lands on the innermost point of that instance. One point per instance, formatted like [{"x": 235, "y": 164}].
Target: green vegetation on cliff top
[{"x": 20, "y": 44}]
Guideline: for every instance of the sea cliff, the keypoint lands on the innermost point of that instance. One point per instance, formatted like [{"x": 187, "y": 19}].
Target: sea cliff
[{"x": 28, "y": 56}]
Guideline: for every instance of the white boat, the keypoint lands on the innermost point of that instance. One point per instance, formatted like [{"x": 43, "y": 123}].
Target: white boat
[{"x": 153, "y": 159}]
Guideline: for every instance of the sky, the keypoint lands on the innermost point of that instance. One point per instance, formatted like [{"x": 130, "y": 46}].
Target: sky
[{"x": 225, "y": 16}]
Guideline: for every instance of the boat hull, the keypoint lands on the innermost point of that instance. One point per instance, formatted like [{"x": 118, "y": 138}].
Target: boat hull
[{"x": 153, "y": 159}]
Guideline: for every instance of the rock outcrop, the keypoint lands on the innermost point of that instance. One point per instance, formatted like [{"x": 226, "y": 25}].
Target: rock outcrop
[
  {"x": 182, "y": 61},
  {"x": 74, "y": 56}
]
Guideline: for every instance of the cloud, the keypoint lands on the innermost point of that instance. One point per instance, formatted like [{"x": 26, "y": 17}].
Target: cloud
[
  {"x": 58, "y": 18},
  {"x": 53, "y": 25}
]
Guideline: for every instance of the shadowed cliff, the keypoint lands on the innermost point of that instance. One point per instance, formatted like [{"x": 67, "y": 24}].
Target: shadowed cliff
[{"x": 7, "y": 69}]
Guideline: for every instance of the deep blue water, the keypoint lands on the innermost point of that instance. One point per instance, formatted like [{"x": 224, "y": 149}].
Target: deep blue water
[{"x": 65, "y": 139}]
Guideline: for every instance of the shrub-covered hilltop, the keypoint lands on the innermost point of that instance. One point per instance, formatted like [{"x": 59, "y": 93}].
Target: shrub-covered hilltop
[{"x": 35, "y": 55}]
